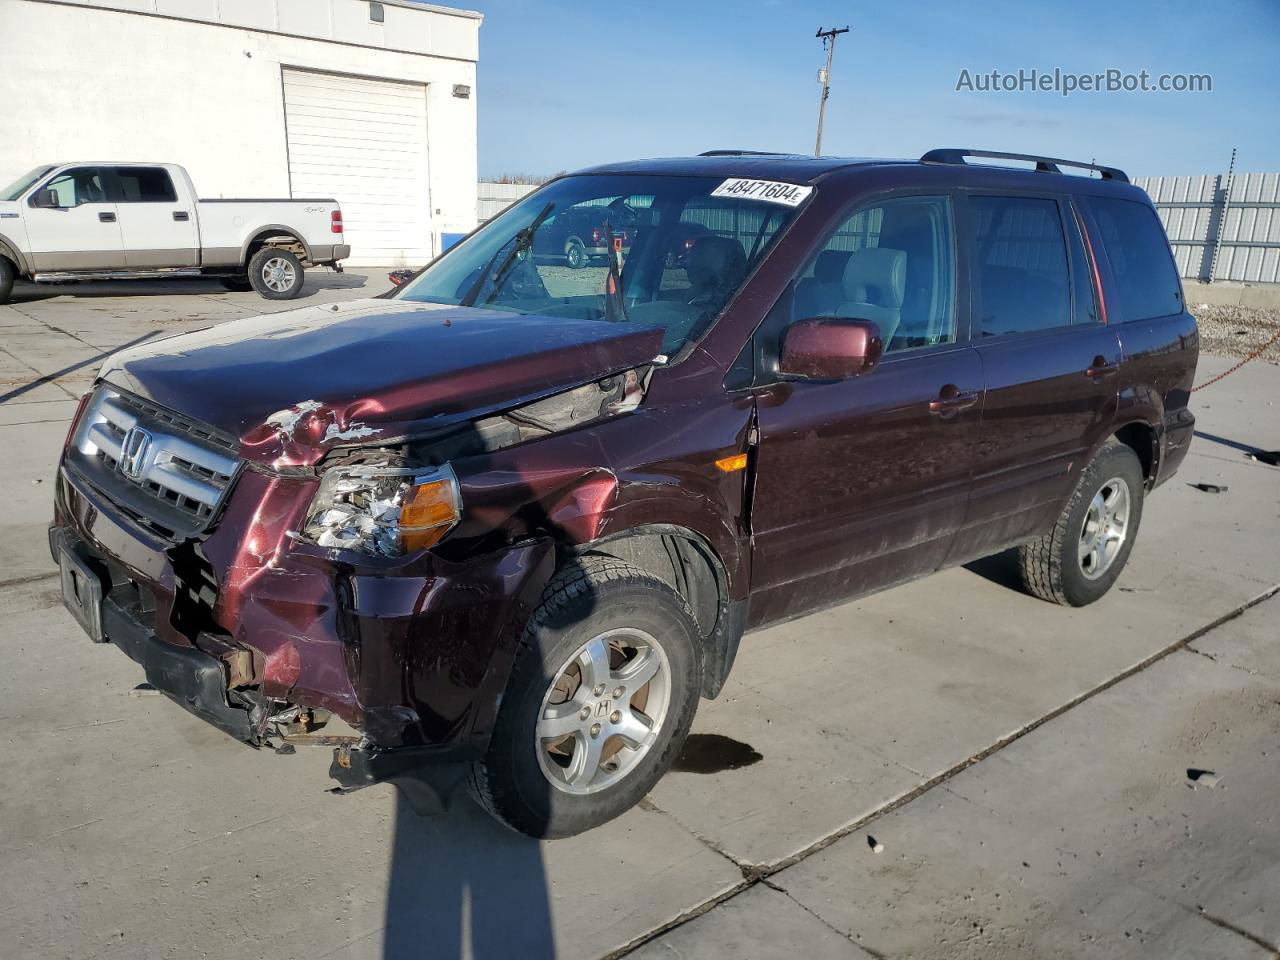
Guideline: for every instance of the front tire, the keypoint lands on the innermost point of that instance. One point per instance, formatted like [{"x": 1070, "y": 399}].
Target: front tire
[
  {"x": 7, "y": 275},
  {"x": 601, "y": 697},
  {"x": 1079, "y": 560},
  {"x": 276, "y": 273}
]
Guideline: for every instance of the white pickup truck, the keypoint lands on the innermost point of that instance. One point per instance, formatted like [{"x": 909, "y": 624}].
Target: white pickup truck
[{"x": 95, "y": 221}]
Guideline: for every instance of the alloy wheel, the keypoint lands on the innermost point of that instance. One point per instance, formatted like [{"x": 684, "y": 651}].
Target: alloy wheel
[
  {"x": 1106, "y": 525},
  {"x": 278, "y": 274},
  {"x": 603, "y": 711}
]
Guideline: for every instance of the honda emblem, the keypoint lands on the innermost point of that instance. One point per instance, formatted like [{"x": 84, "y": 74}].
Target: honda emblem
[{"x": 133, "y": 453}]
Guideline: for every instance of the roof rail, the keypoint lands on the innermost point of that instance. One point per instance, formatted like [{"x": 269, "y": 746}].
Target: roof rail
[
  {"x": 741, "y": 153},
  {"x": 1043, "y": 164}
]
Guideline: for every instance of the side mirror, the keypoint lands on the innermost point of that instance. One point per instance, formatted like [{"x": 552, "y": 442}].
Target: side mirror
[
  {"x": 830, "y": 348},
  {"x": 45, "y": 198}
]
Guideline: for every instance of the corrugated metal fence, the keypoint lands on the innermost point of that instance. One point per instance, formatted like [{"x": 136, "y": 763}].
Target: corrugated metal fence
[
  {"x": 1245, "y": 226},
  {"x": 493, "y": 198},
  {"x": 1196, "y": 211}
]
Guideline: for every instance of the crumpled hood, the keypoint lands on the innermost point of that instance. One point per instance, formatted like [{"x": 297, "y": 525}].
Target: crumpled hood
[{"x": 293, "y": 385}]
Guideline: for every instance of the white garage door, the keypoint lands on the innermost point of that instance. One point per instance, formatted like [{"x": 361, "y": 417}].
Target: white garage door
[{"x": 364, "y": 143}]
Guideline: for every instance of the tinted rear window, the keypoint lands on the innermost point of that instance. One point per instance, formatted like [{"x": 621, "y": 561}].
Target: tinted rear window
[
  {"x": 145, "y": 185},
  {"x": 1021, "y": 255},
  {"x": 1147, "y": 284}
]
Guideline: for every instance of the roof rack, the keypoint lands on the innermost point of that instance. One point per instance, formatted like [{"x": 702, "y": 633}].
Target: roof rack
[
  {"x": 1043, "y": 164},
  {"x": 742, "y": 153}
]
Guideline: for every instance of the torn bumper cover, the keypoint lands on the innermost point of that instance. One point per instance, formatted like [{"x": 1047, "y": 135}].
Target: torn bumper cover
[
  {"x": 413, "y": 654},
  {"x": 190, "y": 677}
]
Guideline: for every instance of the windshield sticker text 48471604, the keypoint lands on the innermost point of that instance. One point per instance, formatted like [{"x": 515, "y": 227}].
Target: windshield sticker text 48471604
[{"x": 770, "y": 191}]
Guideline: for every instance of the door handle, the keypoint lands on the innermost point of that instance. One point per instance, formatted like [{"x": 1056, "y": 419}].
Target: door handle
[
  {"x": 107, "y": 217},
  {"x": 951, "y": 400},
  {"x": 181, "y": 215},
  {"x": 1101, "y": 368}
]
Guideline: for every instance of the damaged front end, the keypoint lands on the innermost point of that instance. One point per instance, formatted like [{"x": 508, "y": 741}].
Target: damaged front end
[{"x": 376, "y": 584}]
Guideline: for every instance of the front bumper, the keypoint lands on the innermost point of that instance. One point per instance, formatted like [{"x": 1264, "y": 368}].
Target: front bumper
[
  {"x": 411, "y": 655},
  {"x": 191, "y": 678}
]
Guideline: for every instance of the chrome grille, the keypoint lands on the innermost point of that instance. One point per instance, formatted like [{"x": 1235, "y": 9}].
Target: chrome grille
[{"x": 184, "y": 466}]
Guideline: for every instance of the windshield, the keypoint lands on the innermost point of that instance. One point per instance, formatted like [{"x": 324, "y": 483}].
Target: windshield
[
  {"x": 24, "y": 183},
  {"x": 650, "y": 250}
]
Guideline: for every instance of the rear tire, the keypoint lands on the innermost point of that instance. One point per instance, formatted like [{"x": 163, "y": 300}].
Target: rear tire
[
  {"x": 1079, "y": 560},
  {"x": 575, "y": 254},
  {"x": 236, "y": 284},
  {"x": 634, "y": 623},
  {"x": 276, "y": 273},
  {"x": 7, "y": 275}
]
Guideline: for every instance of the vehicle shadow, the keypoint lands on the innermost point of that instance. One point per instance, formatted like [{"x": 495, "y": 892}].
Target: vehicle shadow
[
  {"x": 316, "y": 280},
  {"x": 30, "y": 385},
  {"x": 463, "y": 885},
  {"x": 1000, "y": 568},
  {"x": 1245, "y": 448}
]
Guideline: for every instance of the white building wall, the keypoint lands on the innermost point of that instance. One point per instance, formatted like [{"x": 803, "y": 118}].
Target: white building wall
[{"x": 198, "y": 82}]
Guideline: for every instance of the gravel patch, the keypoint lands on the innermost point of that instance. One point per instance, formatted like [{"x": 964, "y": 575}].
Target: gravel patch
[{"x": 1230, "y": 331}]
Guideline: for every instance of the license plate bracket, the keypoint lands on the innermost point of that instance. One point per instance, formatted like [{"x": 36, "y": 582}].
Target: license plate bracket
[{"x": 82, "y": 593}]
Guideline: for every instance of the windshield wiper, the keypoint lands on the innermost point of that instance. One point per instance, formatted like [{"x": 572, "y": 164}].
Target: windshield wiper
[
  {"x": 523, "y": 241},
  {"x": 615, "y": 307}
]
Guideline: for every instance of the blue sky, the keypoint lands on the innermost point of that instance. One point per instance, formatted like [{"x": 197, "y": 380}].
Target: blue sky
[{"x": 568, "y": 84}]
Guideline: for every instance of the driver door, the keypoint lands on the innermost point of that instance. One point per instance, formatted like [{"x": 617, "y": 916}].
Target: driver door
[
  {"x": 862, "y": 483},
  {"x": 83, "y": 232}
]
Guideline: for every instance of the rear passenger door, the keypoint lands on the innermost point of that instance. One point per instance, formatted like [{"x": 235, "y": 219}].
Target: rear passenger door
[
  {"x": 157, "y": 226},
  {"x": 1049, "y": 363}
]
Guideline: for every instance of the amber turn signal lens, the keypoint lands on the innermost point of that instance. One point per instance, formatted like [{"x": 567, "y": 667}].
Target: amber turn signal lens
[
  {"x": 429, "y": 513},
  {"x": 730, "y": 464}
]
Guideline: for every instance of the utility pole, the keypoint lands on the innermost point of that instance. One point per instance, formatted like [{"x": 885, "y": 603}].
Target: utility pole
[{"x": 824, "y": 77}]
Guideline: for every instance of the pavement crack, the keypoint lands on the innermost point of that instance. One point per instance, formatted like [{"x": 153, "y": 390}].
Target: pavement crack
[
  {"x": 744, "y": 868},
  {"x": 1223, "y": 663},
  {"x": 777, "y": 887},
  {"x": 33, "y": 578},
  {"x": 1233, "y": 928},
  {"x": 758, "y": 873},
  {"x": 1201, "y": 653}
]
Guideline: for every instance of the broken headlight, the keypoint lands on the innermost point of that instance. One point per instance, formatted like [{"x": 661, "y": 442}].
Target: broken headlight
[{"x": 383, "y": 511}]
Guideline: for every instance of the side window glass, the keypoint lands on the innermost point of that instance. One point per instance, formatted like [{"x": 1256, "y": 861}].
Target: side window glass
[
  {"x": 145, "y": 185},
  {"x": 1147, "y": 284},
  {"x": 1020, "y": 256},
  {"x": 78, "y": 185},
  {"x": 1085, "y": 300},
  {"x": 893, "y": 264}
]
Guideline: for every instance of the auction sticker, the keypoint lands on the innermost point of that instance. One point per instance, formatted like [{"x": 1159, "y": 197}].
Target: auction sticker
[{"x": 770, "y": 191}]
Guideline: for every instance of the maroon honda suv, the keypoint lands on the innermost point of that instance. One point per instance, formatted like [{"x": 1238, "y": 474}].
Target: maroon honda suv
[{"x": 508, "y": 524}]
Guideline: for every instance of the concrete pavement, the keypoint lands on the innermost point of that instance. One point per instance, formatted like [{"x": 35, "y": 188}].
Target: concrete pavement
[{"x": 964, "y": 725}]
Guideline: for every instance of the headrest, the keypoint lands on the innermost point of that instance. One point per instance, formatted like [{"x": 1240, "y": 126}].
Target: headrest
[
  {"x": 877, "y": 275},
  {"x": 829, "y": 267},
  {"x": 716, "y": 263}
]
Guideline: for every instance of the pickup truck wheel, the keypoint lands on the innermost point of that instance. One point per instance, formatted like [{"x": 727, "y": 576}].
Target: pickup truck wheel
[
  {"x": 236, "y": 284},
  {"x": 7, "y": 276},
  {"x": 575, "y": 254},
  {"x": 275, "y": 273},
  {"x": 601, "y": 697},
  {"x": 1078, "y": 561}
]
